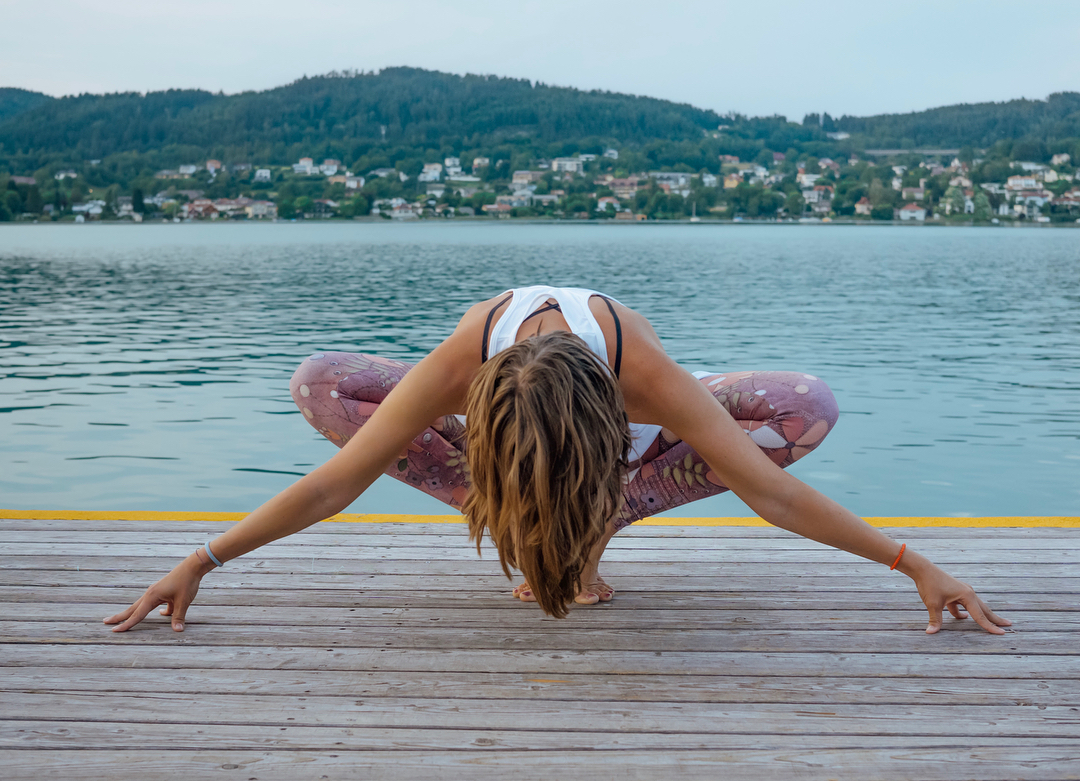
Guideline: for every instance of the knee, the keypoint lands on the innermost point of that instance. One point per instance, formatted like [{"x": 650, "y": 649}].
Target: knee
[
  {"x": 818, "y": 399},
  {"x": 314, "y": 374}
]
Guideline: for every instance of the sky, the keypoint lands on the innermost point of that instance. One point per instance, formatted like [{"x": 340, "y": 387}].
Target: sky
[{"x": 838, "y": 56}]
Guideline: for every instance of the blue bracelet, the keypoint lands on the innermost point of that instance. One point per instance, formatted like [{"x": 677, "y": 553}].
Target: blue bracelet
[{"x": 210, "y": 553}]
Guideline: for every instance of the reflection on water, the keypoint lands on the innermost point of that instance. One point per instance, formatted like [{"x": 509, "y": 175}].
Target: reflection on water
[{"x": 147, "y": 367}]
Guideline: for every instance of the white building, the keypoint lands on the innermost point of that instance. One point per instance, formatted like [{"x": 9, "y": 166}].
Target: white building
[
  {"x": 569, "y": 165},
  {"x": 306, "y": 166},
  {"x": 1020, "y": 182},
  {"x": 263, "y": 175},
  {"x": 676, "y": 179},
  {"x": 709, "y": 180},
  {"x": 453, "y": 165},
  {"x": 480, "y": 162},
  {"x": 611, "y": 153},
  {"x": 432, "y": 172},
  {"x": 913, "y": 212},
  {"x": 329, "y": 167},
  {"x": 807, "y": 180},
  {"x": 187, "y": 170},
  {"x": 1062, "y": 159}
]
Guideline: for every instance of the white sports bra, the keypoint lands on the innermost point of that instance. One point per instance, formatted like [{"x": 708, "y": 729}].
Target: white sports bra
[{"x": 573, "y": 303}]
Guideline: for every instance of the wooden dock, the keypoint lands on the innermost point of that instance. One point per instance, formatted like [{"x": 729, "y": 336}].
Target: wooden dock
[{"x": 371, "y": 651}]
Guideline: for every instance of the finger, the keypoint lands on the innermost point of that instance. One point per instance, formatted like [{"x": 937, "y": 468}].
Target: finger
[
  {"x": 980, "y": 617},
  {"x": 994, "y": 616},
  {"x": 935, "y": 619},
  {"x": 957, "y": 610},
  {"x": 141, "y": 609},
  {"x": 166, "y": 609},
  {"x": 178, "y": 615},
  {"x": 122, "y": 615}
]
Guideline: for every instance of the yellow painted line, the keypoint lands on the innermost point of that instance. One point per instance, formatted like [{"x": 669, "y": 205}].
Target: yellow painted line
[{"x": 1023, "y": 521}]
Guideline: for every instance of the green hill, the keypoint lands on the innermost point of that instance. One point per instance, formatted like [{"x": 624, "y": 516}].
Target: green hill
[
  {"x": 412, "y": 107},
  {"x": 973, "y": 124},
  {"x": 15, "y": 101},
  {"x": 376, "y": 119}
]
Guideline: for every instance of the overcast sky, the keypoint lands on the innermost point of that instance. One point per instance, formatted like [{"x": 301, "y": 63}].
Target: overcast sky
[{"x": 798, "y": 56}]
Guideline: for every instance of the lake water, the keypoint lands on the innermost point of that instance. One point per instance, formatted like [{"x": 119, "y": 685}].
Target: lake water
[{"x": 147, "y": 367}]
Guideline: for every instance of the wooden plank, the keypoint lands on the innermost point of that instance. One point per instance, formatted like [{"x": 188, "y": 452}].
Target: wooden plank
[
  {"x": 501, "y": 599},
  {"x": 93, "y": 537},
  {"x": 422, "y": 529},
  {"x": 569, "y": 686},
  {"x": 300, "y": 577},
  {"x": 959, "y": 637},
  {"x": 945, "y": 555},
  {"x": 128, "y": 736},
  {"x": 269, "y": 711},
  {"x": 986, "y": 763},
  {"x": 931, "y": 661},
  {"x": 528, "y": 617},
  {"x": 53, "y": 569}
]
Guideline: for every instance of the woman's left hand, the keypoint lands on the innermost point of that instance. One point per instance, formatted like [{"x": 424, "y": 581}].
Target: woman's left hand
[{"x": 940, "y": 590}]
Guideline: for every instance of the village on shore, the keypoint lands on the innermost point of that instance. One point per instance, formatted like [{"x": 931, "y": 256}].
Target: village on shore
[{"x": 918, "y": 186}]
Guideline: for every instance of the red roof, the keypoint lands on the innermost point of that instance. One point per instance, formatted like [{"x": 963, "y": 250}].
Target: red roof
[{"x": 911, "y": 207}]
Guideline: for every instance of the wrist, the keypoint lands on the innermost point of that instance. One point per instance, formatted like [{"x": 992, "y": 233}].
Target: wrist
[
  {"x": 913, "y": 564},
  {"x": 199, "y": 564}
]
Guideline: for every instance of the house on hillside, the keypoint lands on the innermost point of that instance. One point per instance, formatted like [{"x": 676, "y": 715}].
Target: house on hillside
[
  {"x": 432, "y": 173},
  {"x": 675, "y": 179},
  {"x": 525, "y": 178},
  {"x": 497, "y": 209},
  {"x": 187, "y": 169},
  {"x": 261, "y": 210},
  {"x": 709, "y": 180},
  {"x": 730, "y": 159},
  {"x": 913, "y": 193},
  {"x": 569, "y": 165},
  {"x": 329, "y": 166},
  {"x": 479, "y": 163},
  {"x": 913, "y": 211},
  {"x": 1021, "y": 182},
  {"x": 213, "y": 166},
  {"x": 863, "y": 206},
  {"x": 608, "y": 203},
  {"x": 731, "y": 181},
  {"x": 611, "y": 154},
  {"x": 306, "y": 166},
  {"x": 624, "y": 188},
  {"x": 263, "y": 175},
  {"x": 66, "y": 174},
  {"x": 200, "y": 209},
  {"x": 29, "y": 180}
]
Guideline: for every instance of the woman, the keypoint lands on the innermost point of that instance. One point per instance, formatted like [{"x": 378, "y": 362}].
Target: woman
[{"x": 549, "y": 380}]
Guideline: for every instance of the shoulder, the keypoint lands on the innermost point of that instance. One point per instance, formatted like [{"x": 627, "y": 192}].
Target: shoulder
[{"x": 647, "y": 371}]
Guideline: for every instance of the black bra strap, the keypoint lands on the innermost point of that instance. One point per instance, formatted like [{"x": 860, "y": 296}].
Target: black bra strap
[
  {"x": 487, "y": 328},
  {"x": 545, "y": 308},
  {"x": 618, "y": 336}
]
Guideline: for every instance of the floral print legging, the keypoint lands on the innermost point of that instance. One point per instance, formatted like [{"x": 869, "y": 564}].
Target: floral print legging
[{"x": 787, "y": 414}]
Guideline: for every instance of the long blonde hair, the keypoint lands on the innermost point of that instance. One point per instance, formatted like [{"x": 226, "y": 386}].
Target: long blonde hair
[{"x": 547, "y": 438}]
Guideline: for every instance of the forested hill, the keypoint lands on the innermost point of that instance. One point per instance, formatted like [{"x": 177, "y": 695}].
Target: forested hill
[
  {"x": 410, "y": 106},
  {"x": 408, "y": 112},
  {"x": 973, "y": 124},
  {"x": 15, "y": 101}
]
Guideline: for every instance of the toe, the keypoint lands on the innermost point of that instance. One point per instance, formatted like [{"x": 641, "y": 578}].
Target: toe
[{"x": 587, "y": 598}]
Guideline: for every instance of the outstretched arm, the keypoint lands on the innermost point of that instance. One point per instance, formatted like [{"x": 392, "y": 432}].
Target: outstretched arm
[
  {"x": 434, "y": 387},
  {"x": 668, "y": 395}
]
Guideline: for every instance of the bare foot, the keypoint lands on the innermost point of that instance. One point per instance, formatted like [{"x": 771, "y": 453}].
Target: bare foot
[{"x": 595, "y": 591}]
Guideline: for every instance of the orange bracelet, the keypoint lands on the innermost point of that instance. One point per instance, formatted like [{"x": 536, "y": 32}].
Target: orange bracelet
[{"x": 903, "y": 547}]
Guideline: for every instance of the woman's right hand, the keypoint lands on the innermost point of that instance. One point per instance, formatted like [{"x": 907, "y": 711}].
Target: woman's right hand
[{"x": 176, "y": 591}]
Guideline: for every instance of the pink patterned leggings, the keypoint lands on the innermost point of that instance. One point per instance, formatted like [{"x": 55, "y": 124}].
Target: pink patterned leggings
[{"x": 786, "y": 413}]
